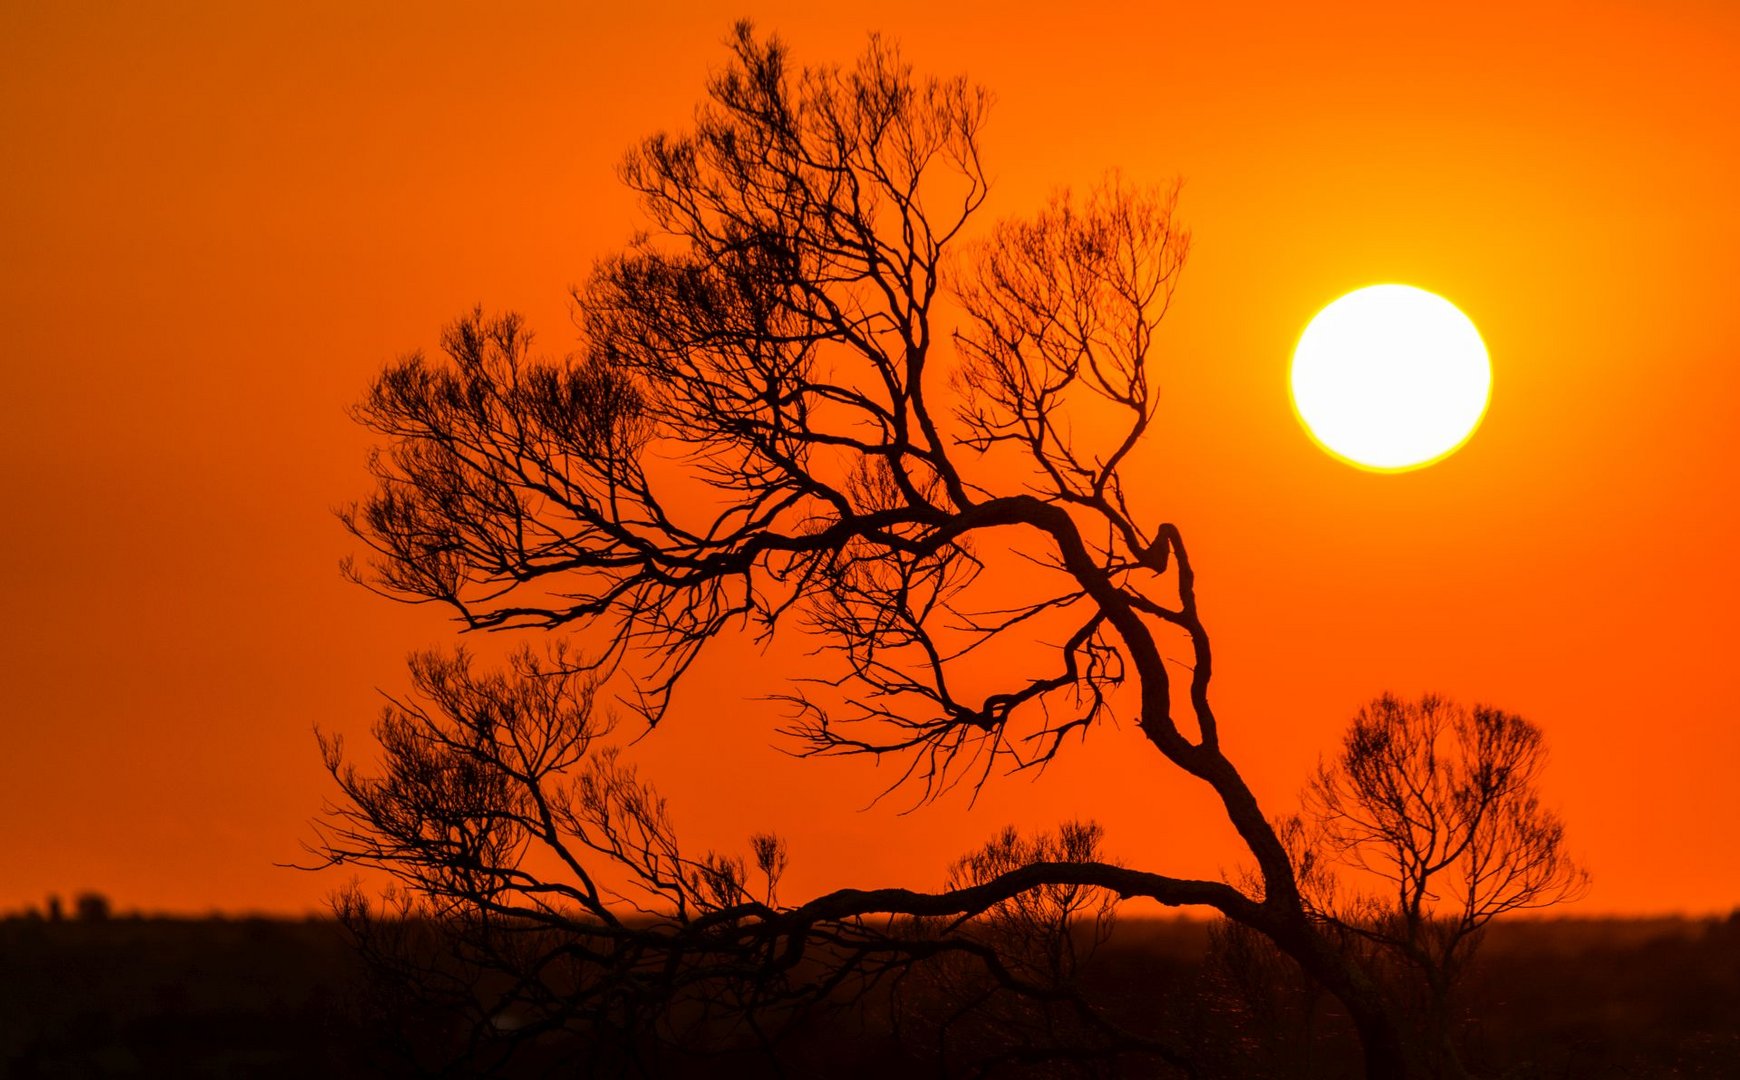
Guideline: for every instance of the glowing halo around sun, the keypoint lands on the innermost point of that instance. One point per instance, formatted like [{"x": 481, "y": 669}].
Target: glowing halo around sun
[{"x": 1391, "y": 378}]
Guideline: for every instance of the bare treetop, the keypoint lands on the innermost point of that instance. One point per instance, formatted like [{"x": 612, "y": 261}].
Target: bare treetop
[
  {"x": 776, "y": 339},
  {"x": 1441, "y": 803}
]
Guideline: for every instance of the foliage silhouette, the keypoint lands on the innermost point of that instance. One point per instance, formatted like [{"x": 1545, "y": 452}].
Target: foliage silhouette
[{"x": 776, "y": 334}]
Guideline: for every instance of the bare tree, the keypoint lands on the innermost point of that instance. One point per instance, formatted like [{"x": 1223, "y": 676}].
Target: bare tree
[
  {"x": 1421, "y": 829},
  {"x": 1440, "y": 804},
  {"x": 756, "y": 434}
]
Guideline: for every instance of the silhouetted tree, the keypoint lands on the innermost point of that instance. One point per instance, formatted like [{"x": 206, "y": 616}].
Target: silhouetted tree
[
  {"x": 756, "y": 433},
  {"x": 1441, "y": 804},
  {"x": 1438, "y": 805}
]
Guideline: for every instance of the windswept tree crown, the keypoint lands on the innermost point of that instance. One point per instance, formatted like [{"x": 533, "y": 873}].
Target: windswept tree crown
[{"x": 774, "y": 343}]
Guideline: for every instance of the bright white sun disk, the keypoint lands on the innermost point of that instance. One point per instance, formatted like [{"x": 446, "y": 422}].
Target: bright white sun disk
[{"x": 1391, "y": 378}]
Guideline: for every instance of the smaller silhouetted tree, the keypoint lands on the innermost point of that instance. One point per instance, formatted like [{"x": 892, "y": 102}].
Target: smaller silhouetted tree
[{"x": 1425, "y": 826}]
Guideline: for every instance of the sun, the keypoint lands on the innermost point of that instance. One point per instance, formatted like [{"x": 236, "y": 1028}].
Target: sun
[{"x": 1391, "y": 378}]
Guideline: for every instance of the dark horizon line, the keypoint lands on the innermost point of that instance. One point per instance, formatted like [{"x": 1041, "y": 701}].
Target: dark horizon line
[{"x": 69, "y": 914}]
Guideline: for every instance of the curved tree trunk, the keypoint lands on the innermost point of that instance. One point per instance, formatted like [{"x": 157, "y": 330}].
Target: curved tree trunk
[
  {"x": 1381, "y": 1040},
  {"x": 1380, "y": 1036}
]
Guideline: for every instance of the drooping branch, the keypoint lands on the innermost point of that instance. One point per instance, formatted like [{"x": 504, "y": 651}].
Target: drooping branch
[{"x": 535, "y": 852}]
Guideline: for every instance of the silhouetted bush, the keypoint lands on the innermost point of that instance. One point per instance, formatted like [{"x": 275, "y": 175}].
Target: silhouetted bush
[{"x": 91, "y": 907}]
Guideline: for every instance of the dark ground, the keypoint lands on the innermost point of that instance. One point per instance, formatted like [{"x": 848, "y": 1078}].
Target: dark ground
[{"x": 1555, "y": 1000}]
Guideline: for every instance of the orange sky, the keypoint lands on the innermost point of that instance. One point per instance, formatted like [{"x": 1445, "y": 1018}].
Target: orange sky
[{"x": 217, "y": 222}]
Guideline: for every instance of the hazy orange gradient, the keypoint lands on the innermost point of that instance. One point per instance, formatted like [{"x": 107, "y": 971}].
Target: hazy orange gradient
[{"x": 217, "y": 221}]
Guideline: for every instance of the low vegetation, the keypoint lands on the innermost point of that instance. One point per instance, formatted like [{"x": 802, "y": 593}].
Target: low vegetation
[{"x": 1565, "y": 999}]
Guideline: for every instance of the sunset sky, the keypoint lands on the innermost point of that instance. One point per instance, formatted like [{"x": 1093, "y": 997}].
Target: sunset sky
[{"x": 218, "y": 221}]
